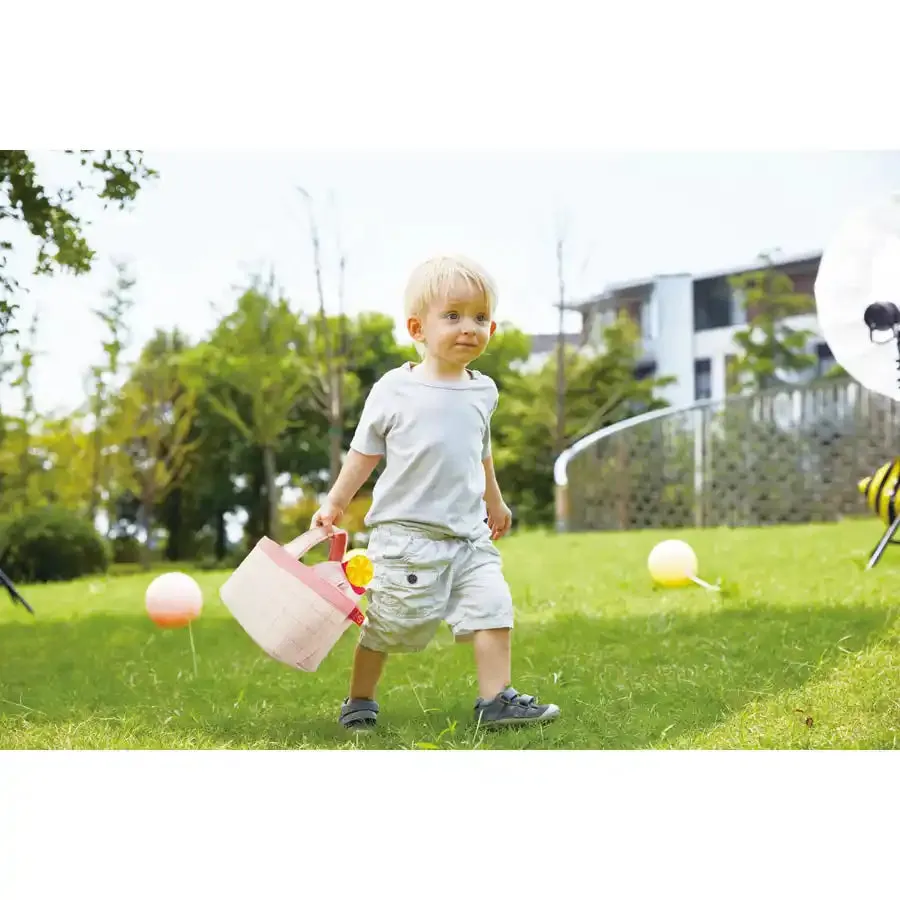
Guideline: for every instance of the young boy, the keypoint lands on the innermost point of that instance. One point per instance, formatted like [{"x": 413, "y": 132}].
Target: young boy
[{"x": 430, "y": 541}]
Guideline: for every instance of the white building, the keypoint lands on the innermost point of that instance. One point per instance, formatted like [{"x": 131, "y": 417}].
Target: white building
[{"x": 687, "y": 324}]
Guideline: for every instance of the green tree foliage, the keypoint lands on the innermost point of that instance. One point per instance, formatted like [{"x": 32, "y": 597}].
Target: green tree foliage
[
  {"x": 152, "y": 423},
  {"x": 508, "y": 350},
  {"x": 194, "y": 512},
  {"x": 255, "y": 367},
  {"x": 770, "y": 350},
  {"x": 20, "y": 484},
  {"x": 50, "y": 217},
  {"x": 105, "y": 377},
  {"x": 601, "y": 390}
]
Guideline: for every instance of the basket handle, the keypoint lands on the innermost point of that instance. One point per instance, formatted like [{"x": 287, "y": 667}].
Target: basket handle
[{"x": 301, "y": 545}]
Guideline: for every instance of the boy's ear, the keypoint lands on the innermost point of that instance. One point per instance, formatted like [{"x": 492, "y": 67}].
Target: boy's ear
[
  {"x": 493, "y": 327},
  {"x": 414, "y": 327}
]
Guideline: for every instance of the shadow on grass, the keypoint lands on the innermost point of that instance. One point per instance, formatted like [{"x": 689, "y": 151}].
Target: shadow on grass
[{"x": 623, "y": 683}]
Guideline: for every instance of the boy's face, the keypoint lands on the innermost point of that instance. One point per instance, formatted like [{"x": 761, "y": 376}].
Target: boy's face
[{"x": 455, "y": 330}]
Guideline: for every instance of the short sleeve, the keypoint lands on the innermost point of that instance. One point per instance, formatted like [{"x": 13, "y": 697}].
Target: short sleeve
[
  {"x": 486, "y": 444},
  {"x": 369, "y": 438}
]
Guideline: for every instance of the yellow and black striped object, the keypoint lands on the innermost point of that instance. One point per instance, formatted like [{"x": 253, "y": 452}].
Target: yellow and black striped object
[{"x": 881, "y": 489}]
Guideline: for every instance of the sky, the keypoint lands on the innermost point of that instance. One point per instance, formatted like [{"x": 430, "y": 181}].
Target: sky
[{"x": 214, "y": 219}]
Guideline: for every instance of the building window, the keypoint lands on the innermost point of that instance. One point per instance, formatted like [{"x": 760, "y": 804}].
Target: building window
[
  {"x": 702, "y": 379},
  {"x": 645, "y": 370},
  {"x": 602, "y": 320},
  {"x": 713, "y": 304},
  {"x": 649, "y": 320}
]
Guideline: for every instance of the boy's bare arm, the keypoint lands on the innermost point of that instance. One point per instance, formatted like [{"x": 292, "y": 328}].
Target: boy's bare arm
[
  {"x": 355, "y": 472},
  {"x": 499, "y": 514},
  {"x": 491, "y": 485},
  {"x": 353, "y": 475}
]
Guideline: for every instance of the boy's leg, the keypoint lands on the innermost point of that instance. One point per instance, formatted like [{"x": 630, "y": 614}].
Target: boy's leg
[
  {"x": 367, "y": 668},
  {"x": 493, "y": 660},
  {"x": 360, "y": 710},
  {"x": 481, "y": 611},
  {"x": 499, "y": 703},
  {"x": 407, "y": 601}
]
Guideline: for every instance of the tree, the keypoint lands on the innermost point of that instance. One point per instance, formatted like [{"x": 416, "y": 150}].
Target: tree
[
  {"x": 328, "y": 386},
  {"x": 29, "y": 418},
  {"x": 770, "y": 350},
  {"x": 105, "y": 377},
  {"x": 256, "y": 366},
  {"x": 508, "y": 349},
  {"x": 62, "y": 450},
  {"x": 561, "y": 350},
  {"x": 194, "y": 512},
  {"x": 600, "y": 390},
  {"x": 112, "y": 176},
  {"x": 371, "y": 351},
  {"x": 152, "y": 423},
  {"x": 5, "y": 466}
]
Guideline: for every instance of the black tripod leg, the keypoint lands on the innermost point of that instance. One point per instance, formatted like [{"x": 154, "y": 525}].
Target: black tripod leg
[
  {"x": 886, "y": 539},
  {"x": 13, "y": 593}
]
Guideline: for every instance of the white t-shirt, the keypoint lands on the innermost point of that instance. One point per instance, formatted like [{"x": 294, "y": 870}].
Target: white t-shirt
[{"x": 434, "y": 436}]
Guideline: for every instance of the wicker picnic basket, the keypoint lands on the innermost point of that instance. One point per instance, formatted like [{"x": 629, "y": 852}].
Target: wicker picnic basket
[{"x": 294, "y": 612}]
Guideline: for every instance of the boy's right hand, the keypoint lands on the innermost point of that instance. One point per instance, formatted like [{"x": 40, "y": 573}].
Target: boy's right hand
[{"x": 327, "y": 516}]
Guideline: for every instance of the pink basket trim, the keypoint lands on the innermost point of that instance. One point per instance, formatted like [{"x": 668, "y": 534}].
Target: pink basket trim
[{"x": 327, "y": 591}]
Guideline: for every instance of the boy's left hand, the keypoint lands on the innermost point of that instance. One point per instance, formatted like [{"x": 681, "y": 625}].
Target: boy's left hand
[{"x": 499, "y": 519}]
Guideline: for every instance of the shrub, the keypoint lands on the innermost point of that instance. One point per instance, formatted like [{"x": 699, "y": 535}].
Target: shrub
[
  {"x": 51, "y": 544},
  {"x": 126, "y": 549}
]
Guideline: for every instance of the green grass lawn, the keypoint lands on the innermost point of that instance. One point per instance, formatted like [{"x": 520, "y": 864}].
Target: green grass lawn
[{"x": 800, "y": 651}]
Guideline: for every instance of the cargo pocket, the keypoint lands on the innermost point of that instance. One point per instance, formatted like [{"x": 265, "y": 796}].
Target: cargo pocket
[
  {"x": 409, "y": 592},
  {"x": 390, "y": 547}
]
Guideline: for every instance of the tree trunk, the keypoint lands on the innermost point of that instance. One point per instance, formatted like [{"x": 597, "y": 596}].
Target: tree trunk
[
  {"x": 221, "y": 536},
  {"x": 271, "y": 526},
  {"x": 560, "y": 357},
  {"x": 257, "y": 501},
  {"x": 98, "y": 451},
  {"x": 174, "y": 524},
  {"x": 335, "y": 425},
  {"x": 145, "y": 519}
]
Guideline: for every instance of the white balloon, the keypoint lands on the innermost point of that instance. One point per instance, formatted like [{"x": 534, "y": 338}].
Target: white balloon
[{"x": 672, "y": 563}]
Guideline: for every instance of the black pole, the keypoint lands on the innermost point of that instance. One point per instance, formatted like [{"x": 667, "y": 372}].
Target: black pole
[{"x": 15, "y": 596}]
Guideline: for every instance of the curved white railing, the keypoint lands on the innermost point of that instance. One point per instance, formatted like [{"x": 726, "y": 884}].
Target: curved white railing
[{"x": 560, "y": 467}]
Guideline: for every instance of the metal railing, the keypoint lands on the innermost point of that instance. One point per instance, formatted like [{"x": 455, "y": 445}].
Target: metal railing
[{"x": 786, "y": 455}]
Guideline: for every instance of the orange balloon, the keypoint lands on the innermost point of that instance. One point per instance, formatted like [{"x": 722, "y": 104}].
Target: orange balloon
[{"x": 173, "y": 600}]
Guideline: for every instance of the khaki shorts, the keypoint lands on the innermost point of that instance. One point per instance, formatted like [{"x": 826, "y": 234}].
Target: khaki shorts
[{"x": 421, "y": 580}]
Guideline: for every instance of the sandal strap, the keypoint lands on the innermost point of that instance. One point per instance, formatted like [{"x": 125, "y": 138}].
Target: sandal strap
[
  {"x": 351, "y": 706},
  {"x": 512, "y": 696}
]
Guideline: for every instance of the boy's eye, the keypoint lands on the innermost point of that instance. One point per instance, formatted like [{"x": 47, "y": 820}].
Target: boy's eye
[
  {"x": 482, "y": 319},
  {"x": 452, "y": 315}
]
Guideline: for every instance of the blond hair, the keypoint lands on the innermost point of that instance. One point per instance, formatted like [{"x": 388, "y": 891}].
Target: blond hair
[{"x": 438, "y": 278}]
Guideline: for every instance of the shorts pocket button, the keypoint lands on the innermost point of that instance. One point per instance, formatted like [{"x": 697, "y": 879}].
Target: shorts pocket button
[{"x": 411, "y": 578}]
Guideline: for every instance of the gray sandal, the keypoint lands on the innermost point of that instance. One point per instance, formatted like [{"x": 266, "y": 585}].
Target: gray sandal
[
  {"x": 358, "y": 713},
  {"x": 510, "y": 707}
]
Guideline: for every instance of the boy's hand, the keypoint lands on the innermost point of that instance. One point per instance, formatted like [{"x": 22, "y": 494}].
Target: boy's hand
[
  {"x": 499, "y": 518},
  {"x": 327, "y": 516}
]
